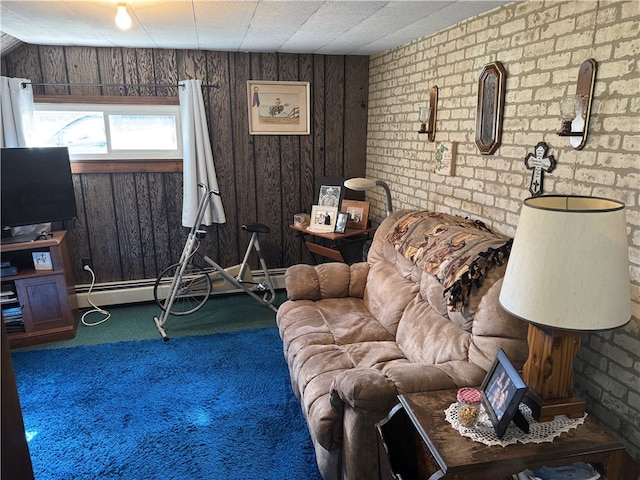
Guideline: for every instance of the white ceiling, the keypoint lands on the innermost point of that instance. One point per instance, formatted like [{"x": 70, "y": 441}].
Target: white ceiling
[{"x": 354, "y": 27}]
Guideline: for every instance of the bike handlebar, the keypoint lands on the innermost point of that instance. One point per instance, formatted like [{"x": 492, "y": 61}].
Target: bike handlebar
[{"x": 215, "y": 192}]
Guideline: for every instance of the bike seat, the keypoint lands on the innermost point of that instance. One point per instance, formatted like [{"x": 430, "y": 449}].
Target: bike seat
[{"x": 256, "y": 227}]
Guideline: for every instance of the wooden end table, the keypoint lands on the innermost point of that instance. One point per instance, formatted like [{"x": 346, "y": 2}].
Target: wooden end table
[
  {"x": 417, "y": 442},
  {"x": 343, "y": 247}
]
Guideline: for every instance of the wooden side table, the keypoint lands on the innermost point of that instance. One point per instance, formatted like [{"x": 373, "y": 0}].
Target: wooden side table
[
  {"x": 343, "y": 247},
  {"x": 417, "y": 442}
]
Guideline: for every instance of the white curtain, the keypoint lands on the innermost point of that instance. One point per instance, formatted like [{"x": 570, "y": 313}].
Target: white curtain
[
  {"x": 197, "y": 156},
  {"x": 16, "y": 112}
]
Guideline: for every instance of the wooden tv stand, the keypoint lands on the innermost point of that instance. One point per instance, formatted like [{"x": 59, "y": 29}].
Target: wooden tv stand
[{"x": 46, "y": 298}]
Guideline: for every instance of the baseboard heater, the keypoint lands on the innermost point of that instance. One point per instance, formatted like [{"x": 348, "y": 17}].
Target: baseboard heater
[{"x": 139, "y": 291}]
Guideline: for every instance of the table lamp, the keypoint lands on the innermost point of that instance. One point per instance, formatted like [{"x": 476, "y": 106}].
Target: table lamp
[
  {"x": 362, "y": 184},
  {"x": 568, "y": 272}
]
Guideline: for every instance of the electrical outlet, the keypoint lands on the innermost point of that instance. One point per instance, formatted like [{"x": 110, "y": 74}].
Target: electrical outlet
[{"x": 86, "y": 262}]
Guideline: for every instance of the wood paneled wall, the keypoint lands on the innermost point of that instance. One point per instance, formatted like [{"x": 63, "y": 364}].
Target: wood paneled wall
[{"x": 129, "y": 223}]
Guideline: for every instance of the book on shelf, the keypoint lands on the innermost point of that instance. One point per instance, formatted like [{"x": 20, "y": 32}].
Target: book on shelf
[
  {"x": 14, "y": 328},
  {"x": 11, "y": 317},
  {"x": 13, "y": 324},
  {"x": 12, "y": 311},
  {"x": 575, "y": 471},
  {"x": 13, "y": 321},
  {"x": 7, "y": 293}
]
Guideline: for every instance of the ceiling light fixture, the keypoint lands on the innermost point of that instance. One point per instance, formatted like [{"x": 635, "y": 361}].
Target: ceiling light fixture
[{"x": 123, "y": 20}]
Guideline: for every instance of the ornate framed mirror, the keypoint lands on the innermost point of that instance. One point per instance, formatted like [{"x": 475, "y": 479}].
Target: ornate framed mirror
[{"x": 491, "y": 92}]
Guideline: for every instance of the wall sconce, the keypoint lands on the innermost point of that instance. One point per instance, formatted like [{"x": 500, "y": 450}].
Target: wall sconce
[
  {"x": 428, "y": 115},
  {"x": 123, "y": 20},
  {"x": 575, "y": 110}
]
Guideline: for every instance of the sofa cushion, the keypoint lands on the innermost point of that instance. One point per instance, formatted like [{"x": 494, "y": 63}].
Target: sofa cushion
[
  {"x": 321, "y": 339},
  {"x": 382, "y": 251},
  {"x": 494, "y": 328},
  {"x": 341, "y": 321},
  {"x": 425, "y": 336},
  {"x": 328, "y": 280},
  {"x": 433, "y": 292},
  {"x": 387, "y": 294}
]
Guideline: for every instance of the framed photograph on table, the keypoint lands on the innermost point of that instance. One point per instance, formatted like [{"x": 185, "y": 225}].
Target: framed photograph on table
[
  {"x": 502, "y": 391},
  {"x": 323, "y": 219},
  {"x": 341, "y": 222},
  {"x": 358, "y": 213},
  {"x": 330, "y": 196},
  {"x": 278, "y": 108}
]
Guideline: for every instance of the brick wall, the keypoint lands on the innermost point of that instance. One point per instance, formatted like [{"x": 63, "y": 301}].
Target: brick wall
[{"x": 541, "y": 45}]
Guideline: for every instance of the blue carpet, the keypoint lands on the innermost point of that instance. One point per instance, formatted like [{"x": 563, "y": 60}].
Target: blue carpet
[{"x": 202, "y": 407}]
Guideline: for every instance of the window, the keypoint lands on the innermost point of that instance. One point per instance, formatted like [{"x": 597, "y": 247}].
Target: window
[{"x": 110, "y": 131}]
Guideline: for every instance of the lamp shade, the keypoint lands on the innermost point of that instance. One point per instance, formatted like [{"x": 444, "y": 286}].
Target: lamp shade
[
  {"x": 569, "y": 264},
  {"x": 361, "y": 184}
]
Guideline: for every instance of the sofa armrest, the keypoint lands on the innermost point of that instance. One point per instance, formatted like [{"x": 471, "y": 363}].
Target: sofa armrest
[
  {"x": 328, "y": 280},
  {"x": 373, "y": 390},
  {"x": 364, "y": 389},
  {"x": 417, "y": 377}
]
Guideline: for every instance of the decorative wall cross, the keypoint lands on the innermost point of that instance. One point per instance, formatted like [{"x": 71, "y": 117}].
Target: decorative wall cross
[{"x": 539, "y": 163}]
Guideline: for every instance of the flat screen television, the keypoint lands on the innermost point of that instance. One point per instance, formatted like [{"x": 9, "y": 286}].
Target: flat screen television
[{"x": 37, "y": 187}]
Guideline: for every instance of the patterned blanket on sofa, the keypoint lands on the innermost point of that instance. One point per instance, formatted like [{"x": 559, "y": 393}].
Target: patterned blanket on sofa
[{"x": 457, "y": 251}]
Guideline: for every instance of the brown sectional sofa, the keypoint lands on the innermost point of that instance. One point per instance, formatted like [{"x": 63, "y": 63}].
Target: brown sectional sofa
[{"x": 356, "y": 336}]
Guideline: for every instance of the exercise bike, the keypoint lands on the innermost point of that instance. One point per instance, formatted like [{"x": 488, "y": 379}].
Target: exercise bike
[{"x": 184, "y": 287}]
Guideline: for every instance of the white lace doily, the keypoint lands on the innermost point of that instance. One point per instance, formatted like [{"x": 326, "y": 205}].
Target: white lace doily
[{"x": 539, "y": 432}]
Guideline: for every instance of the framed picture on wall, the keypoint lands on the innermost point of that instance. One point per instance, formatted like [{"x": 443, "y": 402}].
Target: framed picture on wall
[
  {"x": 278, "y": 108},
  {"x": 358, "y": 213},
  {"x": 445, "y": 158}
]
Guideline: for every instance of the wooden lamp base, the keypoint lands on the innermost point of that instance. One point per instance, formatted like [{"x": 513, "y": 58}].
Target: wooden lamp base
[
  {"x": 548, "y": 373},
  {"x": 546, "y": 410}
]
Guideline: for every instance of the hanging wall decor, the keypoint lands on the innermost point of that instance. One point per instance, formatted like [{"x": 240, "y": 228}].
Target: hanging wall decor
[
  {"x": 428, "y": 115},
  {"x": 445, "y": 158},
  {"x": 575, "y": 110},
  {"x": 491, "y": 92},
  {"x": 278, "y": 108},
  {"x": 540, "y": 163}
]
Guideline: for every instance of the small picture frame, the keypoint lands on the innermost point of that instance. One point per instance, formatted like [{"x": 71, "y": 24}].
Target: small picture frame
[
  {"x": 445, "y": 158},
  {"x": 329, "y": 196},
  {"x": 301, "y": 219},
  {"x": 502, "y": 391},
  {"x": 323, "y": 219},
  {"x": 358, "y": 213},
  {"x": 42, "y": 260},
  {"x": 341, "y": 222}
]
